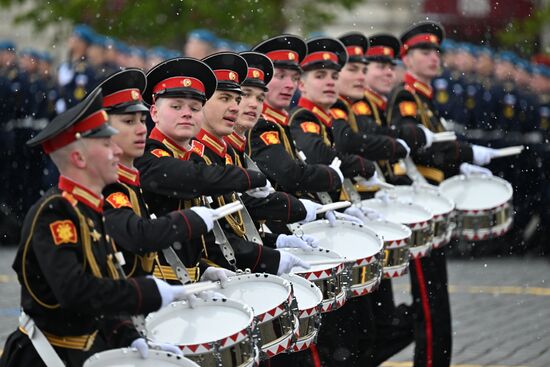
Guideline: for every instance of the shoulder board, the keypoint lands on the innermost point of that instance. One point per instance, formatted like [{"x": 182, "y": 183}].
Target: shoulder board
[
  {"x": 70, "y": 198},
  {"x": 310, "y": 127},
  {"x": 362, "y": 108},
  {"x": 159, "y": 153},
  {"x": 407, "y": 108},
  {"x": 338, "y": 114},
  {"x": 118, "y": 200},
  {"x": 197, "y": 147},
  {"x": 270, "y": 137}
]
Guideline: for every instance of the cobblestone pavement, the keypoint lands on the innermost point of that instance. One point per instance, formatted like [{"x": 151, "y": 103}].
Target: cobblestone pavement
[{"x": 501, "y": 311}]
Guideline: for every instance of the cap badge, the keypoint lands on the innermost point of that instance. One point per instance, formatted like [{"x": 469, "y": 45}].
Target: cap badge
[
  {"x": 255, "y": 73},
  {"x": 358, "y": 51},
  {"x": 291, "y": 56},
  {"x": 433, "y": 39},
  {"x": 232, "y": 76},
  {"x": 326, "y": 56},
  {"x": 186, "y": 82},
  {"x": 386, "y": 51},
  {"x": 135, "y": 95}
]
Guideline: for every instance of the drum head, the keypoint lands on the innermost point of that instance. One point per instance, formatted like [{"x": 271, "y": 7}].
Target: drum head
[
  {"x": 477, "y": 192},
  {"x": 389, "y": 231},
  {"x": 431, "y": 199},
  {"x": 128, "y": 357},
  {"x": 206, "y": 322},
  {"x": 352, "y": 241},
  {"x": 397, "y": 212},
  {"x": 307, "y": 294},
  {"x": 314, "y": 254},
  {"x": 261, "y": 291}
]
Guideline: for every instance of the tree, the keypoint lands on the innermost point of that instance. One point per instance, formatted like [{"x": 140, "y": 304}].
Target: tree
[{"x": 154, "y": 22}]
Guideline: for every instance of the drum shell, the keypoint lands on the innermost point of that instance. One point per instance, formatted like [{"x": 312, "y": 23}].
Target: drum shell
[{"x": 396, "y": 239}]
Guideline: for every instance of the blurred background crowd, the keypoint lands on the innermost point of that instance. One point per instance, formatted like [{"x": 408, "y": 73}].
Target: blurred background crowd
[{"x": 495, "y": 95}]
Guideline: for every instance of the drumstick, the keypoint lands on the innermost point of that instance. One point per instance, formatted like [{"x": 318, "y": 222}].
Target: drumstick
[
  {"x": 443, "y": 137},
  {"x": 508, "y": 151},
  {"x": 333, "y": 206},
  {"x": 325, "y": 262},
  {"x": 385, "y": 185},
  {"x": 227, "y": 209},
  {"x": 202, "y": 286}
]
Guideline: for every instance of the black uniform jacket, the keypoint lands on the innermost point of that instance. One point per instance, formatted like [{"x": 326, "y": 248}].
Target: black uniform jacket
[
  {"x": 271, "y": 146},
  {"x": 65, "y": 264},
  {"x": 411, "y": 104}
]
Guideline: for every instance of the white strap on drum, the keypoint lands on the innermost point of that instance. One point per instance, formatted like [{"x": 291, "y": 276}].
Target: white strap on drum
[{"x": 39, "y": 341}]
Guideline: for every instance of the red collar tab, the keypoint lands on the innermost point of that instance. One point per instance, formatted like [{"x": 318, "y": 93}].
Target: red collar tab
[
  {"x": 179, "y": 82},
  {"x": 377, "y": 99},
  {"x": 324, "y": 117},
  {"x": 254, "y": 73},
  {"x": 236, "y": 141},
  {"x": 210, "y": 141},
  {"x": 122, "y": 96},
  {"x": 178, "y": 150},
  {"x": 91, "y": 122},
  {"x": 128, "y": 175},
  {"x": 420, "y": 38},
  {"x": 283, "y": 55},
  {"x": 418, "y": 86},
  {"x": 223, "y": 75},
  {"x": 277, "y": 116},
  {"x": 354, "y": 50},
  {"x": 380, "y": 51},
  {"x": 80, "y": 193},
  {"x": 319, "y": 56}
]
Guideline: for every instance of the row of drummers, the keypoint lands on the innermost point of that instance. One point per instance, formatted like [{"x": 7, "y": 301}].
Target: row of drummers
[{"x": 265, "y": 315}]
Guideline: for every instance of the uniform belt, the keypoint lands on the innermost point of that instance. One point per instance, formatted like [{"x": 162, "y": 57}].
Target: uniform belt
[
  {"x": 82, "y": 342},
  {"x": 166, "y": 272}
]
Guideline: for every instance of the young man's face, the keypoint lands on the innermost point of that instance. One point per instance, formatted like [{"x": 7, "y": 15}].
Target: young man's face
[
  {"x": 282, "y": 87},
  {"x": 131, "y": 134},
  {"x": 250, "y": 107},
  {"x": 221, "y": 113},
  {"x": 100, "y": 159},
  {"x": 424, "y": 63},
  {"x": 177, "y": 118},
  {"x": 319, "y": 86},
  {"x": 380, "y": 77},
  {"x": 351, "y": 83}
]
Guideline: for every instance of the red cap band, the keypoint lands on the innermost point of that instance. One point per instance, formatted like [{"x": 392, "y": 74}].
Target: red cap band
[
  {"x": 224, "y": 75},
  {"x": 179, "y": 82},
  {"x": 254, "y": 73},
  {"x": 380, "y": 51},
  {"x": 123, "y": 96},
  {"x": 421, "y": 38},
  {"x": 320, "y": 56},
  {"x": 354, "y": 50},
  {"x": 283, "y": 55},
  {"x": 91, "y": 122}
]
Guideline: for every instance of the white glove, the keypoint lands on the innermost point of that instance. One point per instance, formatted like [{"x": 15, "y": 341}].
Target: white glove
[
  {"x": 292, "y": 241},
  {"x": 311, "y": 210},
  {"x": 372, "y": 181},
  {"x": 332, "y": 216},
  {"x": 405, "y": 145},
  {"x": 429, "y": 136},
  {"x": 170, "y": 293},
  {"x": 193, "y": 298},
  {"x": 371, "y": 214},
  {"x": 206, "y": 214},
  {"x": 288, "y": 262},
  {"x": 335, "y": 165},
  {"x": 261, "y": 192},
  {"x": 143, "y": 346},
  {"x": 482, "y": 155},
  {"x": 214, "y": 274},
  {"x": 468, "y": 169},
  {"x": 356, "y": 213}
]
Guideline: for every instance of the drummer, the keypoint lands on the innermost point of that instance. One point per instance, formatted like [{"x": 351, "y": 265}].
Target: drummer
[
  {"x": 127, "y": 218},
  {"x": 350, "y": 134},
  {"x": 410, "y": 106},
  {"x": 74, "y": 300},
  {"x": 177, "y": 90}
]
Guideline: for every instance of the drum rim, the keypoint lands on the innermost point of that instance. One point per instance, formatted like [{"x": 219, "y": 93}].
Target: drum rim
[
  {"x": 156, "y": 355},
  {"x": 394, "y": 224},
  {"x": 226, "y": 301},
  {"x": 305, "y": 282},
  {"x": 453, "y": 181},
  {"x": 432, "y": 192},
  {"x": 426, "y": 211},
  {"x": 334, "y": 254}
]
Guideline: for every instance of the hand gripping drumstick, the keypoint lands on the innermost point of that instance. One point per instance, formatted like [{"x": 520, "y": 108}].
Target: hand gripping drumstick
[
  {"x": 227, "y": 209},
  {"x": 333, "y": 206},
  {"x": 508, "y": 151},
  {"x": 202, "y": 286}
]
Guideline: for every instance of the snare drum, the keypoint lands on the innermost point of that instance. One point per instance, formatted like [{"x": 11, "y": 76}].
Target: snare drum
[
  {"x": 430, "y": 198},
  {"x": 129, "y": 357},
  {"x": 396, "y": 239},
  {"x": 309, "y": 299},
  {"x": 360, "y": 247},
  {"x": 270, "y": 298},
  {"x": 483, "y": 205},
  {"x": 212, "y": 333},
  {"x": 416, "y": 217},
  {"x": 329, "y": 278}
]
